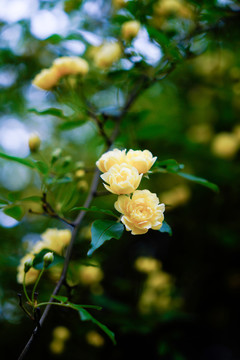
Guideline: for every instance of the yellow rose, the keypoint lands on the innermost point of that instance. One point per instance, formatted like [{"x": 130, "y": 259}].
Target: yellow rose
[
  {"x": 130, "y": 29},
  {"x": 46, "y": 79},
  {"x": 141, "y": 160},
  {"x": 111, "y": 158},
  {"x": 107, "y": 54},
  {"x": 67, "y": 65},
  {"x": 31, "y": 275},
  {"x": 141, "y": 212},
  {"x": 122, "y": 179}
]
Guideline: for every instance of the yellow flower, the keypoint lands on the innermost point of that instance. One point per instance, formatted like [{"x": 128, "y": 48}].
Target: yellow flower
[
  {"x": 67, "y": 65},
  {"x": 118, "y": 4},
  {"x": 122, "y": 179},
  {"x": 61, "y": 333},
  {"x": 31, "y": 275},
  {"x": 130, "y": 29},
  {"x": 111, "y": 158},
  {"x": 225, "y": 145},
  {"x": 147, "y": 264},
  {"x": 34, "y": 142},
  {"x": 46, "y": 79},
  {"x": 90, "y": 275},
  {"x": 107, "y": 54},
  {"x": 55, "y": 240},
  {"x": 141, "y": 212},
  {"x": 94, "y": 338},
  {"x": 141, "y": 160}
]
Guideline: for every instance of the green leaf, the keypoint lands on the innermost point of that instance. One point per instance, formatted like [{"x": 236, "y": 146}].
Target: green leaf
[
  {"x": 3, "y": 202},
  {"x": 62, "y": 299},
  {"x": 200, "y": 181},
  {"x": 38, "y": 260},
  {"x": 80, "y": 306},
  {"x": 69, "y": 125},
  {"x": 50, "y": 111},
  {"x": 165, "y": 228},
  {"x": 170, "y": 165},
  {"x": 15, "y": 212},
  {"x": 26, "y": 162},
  {"x": 14, "y": 196},
  {"x": 41, "y": 166},
  {"x": 86, "y": 316},
  {"x": 103, "y": 230},
  {"x": 96, "y": 209}
]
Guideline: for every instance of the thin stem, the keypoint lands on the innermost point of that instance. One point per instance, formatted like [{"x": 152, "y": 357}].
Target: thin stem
[
  {"x": 24, "y": 288},
  {"x": 36, "y": 283}
]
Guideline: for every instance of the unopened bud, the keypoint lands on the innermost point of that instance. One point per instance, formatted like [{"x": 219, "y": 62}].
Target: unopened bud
[
  {"x": 79, "y": 165},
  {"x": 56, "y": 154},
  {"x": 66, "y": 161},
  {"x": 34, "y": 142},
  {"x": 48, "y": 259},
  {"x": 27, "y": 265}
]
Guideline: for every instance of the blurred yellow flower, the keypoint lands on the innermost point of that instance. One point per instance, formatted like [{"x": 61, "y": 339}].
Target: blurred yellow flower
[
  {"x": 57, "y": 346},
  {"x": 177, "y": 196},
  {"x": 107, "y": 54},
  {"x": 118, "y": 4},
  {"x": 61, "y": 332},
  {"x": 55, "y": 240},
  {"x": 90, "y": 275},
  {"x": 141, "y": 212},
  {"x": 68, "y": 65},
  {"x": 110, "y": 158},
  {"x": 141, "y": 160},
  {"x": 130, "y": 29},
  {"x": 225, "y": 145},
  {"x": 46, "y": 79},
  {"x": 147, "y": 264},
  {"x": 95, "y": 339},
  {"x": 122, "y": 179}
]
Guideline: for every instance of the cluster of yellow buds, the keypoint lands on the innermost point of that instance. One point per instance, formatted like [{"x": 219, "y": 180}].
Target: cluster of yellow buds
[
  {"x": 52, "y": 239},
  {"x": 66, "y": 65},
  {"x": 122, "y": 173}
]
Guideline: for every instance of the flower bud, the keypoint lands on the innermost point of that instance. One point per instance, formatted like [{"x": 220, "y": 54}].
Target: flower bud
[
  {"x": 27, "y": 265},
  {"x": 34, "y": 142},
  {"x": 56, "y": 154},
  {"x": 48, "y": 259},
  {"x": 66, "y": 161}
]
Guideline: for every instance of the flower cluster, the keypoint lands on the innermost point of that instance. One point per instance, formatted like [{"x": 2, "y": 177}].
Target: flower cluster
[
  {"x": 52, "y": 239},
  {"x": 66, "y": 65},
  {"x": 122, "y": 174}
]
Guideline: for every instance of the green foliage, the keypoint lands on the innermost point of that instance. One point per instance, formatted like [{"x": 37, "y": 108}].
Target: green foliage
[{"x": 103, "y": 230}]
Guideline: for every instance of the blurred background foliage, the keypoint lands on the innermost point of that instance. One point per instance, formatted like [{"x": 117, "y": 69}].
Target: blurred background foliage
[{"x": 164, "y": 297}]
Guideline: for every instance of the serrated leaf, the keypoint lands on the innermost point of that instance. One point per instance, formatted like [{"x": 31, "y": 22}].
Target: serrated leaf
[
  {"x": 165, "y": 228},
  {"x": 38, "y": 260},
  {"x": 103, "y": 230},
  {"x": 26, "y": 162},
  {"x": 96, "y": 209},
  {"x": 60, "y": 298},
  {"x": 50, "y": 111},
  {"x": 86, "y": 316},
  {"x": 15, "y": 212}
]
